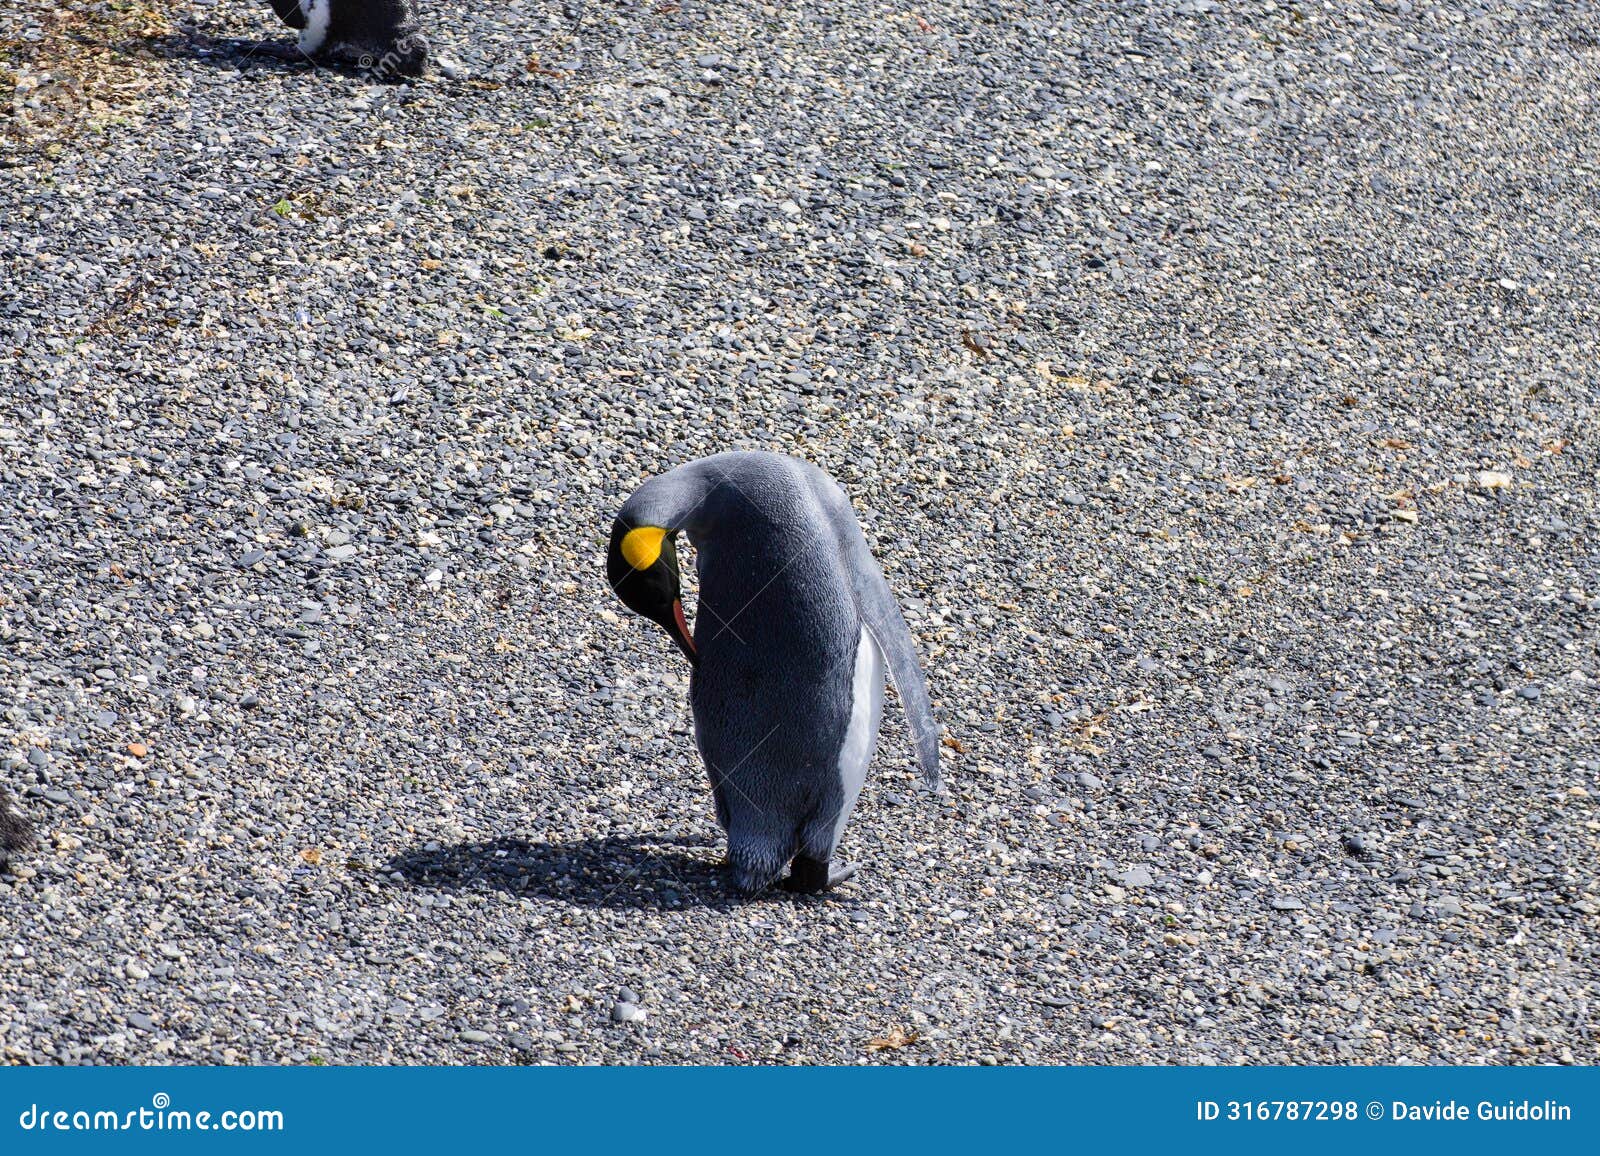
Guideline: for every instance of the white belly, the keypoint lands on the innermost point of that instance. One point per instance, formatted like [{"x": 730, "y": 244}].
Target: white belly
[
  {"x": 861, "y": 737},
  {"x": 318, "y": 13}
]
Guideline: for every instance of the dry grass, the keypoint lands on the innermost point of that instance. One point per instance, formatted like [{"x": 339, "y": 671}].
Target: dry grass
[{"x": 92, "y": 60}]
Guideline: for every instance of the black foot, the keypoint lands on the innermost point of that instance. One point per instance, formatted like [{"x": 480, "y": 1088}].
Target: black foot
[
  {"x": 288, "y": 51},
  {"x": 812, "y": 877}
]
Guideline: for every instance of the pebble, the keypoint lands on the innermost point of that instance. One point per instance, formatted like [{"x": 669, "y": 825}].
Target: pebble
[
  {"x": 1136, "y": 877},
  {"x": 626, "y": 1012}
]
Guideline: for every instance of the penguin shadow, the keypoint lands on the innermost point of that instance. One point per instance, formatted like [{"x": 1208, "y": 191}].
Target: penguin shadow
[
  {"x": 628, "y": 872},
  {"x": 234, "y": 54}
]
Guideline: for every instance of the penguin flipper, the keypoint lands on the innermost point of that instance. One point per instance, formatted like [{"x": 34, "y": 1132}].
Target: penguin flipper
[
  {"x": 889, "y": 630},
  {"x": 887, "y": 625},
  {"x": 290, "y": 12}
]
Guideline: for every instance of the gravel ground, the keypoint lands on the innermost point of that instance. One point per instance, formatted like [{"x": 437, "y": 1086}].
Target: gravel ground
[{"x": 1216, "y": 380}]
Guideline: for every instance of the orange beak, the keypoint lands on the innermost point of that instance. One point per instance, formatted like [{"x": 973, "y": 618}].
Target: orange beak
[{"x": 683, "y": 637}]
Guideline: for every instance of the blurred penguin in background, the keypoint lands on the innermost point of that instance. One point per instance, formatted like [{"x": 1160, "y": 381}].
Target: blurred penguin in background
[
  {"x": 15, "y": 833},
  {"x": 377, "y": 36}
]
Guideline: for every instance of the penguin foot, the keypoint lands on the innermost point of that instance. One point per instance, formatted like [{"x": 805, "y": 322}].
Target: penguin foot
[{"x": 813, "y": 876}]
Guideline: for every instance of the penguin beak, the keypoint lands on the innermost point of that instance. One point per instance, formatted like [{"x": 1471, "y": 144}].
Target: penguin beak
[{"x": 680, "y": 633}]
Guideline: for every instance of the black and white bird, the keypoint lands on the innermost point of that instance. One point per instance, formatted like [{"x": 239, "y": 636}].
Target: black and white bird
[
  {"x": 794, "y": 627},
  {"x": 379, "y": 36}
]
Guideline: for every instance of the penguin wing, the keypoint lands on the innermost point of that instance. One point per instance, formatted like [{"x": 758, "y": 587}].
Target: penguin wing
[
  {"x": 289, "y": 12},
  {"x": 881, "y": 614}
]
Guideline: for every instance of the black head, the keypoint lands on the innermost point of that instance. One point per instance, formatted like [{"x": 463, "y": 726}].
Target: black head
[{"x": 642, "y": 567}]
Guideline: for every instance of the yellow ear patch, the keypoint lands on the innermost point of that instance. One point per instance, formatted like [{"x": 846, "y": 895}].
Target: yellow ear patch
[{"x": 642, "y": 546}]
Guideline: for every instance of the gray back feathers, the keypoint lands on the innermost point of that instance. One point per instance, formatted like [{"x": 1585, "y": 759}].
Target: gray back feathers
[{"x": 785, "y": 571}]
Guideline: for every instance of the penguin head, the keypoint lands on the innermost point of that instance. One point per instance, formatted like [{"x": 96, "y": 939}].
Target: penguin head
[{"x": 642, "y": 567}]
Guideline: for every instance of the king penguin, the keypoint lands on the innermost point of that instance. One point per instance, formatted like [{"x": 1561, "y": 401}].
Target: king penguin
[
  {"x": 794, "y": 627},
  {"x": 15, "y": 833}
]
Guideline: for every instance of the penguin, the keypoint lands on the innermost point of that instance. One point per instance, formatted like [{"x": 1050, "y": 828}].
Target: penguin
[
  {"x": 794, "y": 631},
  {"x": 374, "y": 35},
  {"x": 15, "y": 832}
]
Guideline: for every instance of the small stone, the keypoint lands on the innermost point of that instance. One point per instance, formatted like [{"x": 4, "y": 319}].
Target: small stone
[
  {"x": 475, "y": 1037},
  {"x": 1286, "y": 903},
  {"x": 1493, "y": 480},
  {"x": 627, "y": 1012},
  {"x": 1085, "y": 779},
  {"x": 1136, "y": 877}
]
